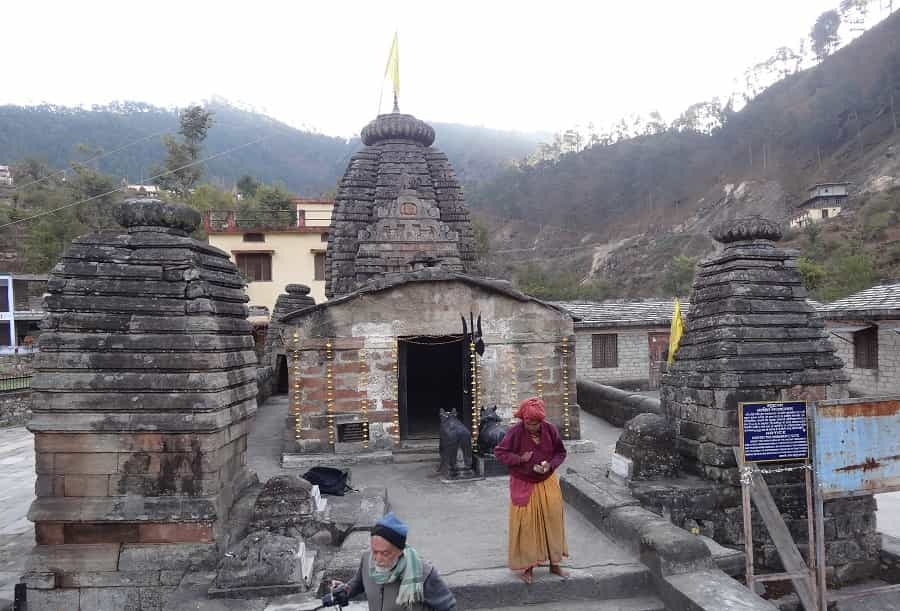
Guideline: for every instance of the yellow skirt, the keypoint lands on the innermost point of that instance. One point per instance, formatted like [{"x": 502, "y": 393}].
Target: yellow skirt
[{"x": 537, "y": 532}]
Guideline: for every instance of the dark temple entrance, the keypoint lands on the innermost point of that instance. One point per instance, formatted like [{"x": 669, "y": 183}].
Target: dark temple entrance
[
  {"x": 431, "y": 379},
  {"x": 281, "y": 375}
]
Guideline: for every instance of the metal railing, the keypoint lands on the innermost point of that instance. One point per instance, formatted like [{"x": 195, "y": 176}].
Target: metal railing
[{"x": 15, "y": 383}]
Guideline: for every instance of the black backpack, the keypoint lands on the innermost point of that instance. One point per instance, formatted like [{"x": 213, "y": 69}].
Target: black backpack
[{"x": 329, "y": 480}]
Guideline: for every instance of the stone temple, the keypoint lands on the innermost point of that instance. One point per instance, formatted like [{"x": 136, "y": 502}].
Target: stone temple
[{"x": 371, "y": 368}]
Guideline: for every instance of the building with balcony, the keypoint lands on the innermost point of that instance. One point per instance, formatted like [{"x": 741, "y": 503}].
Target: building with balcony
[
  {"x": 274, "y": 248},
  {"x": 824, "y": 200}
]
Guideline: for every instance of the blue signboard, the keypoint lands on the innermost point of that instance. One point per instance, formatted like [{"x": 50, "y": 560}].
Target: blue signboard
[
  {"x": 773, "y": 431},
  {"x": 857, "y": 446}
]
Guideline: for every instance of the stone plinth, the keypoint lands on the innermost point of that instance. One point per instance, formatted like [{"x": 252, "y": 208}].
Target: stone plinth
[
  {"x": 398, "y": 206},
  {"x": 649, "y": 442},
  {"x": 751, "y": 335},
  {"x": 144, "y": 389}
]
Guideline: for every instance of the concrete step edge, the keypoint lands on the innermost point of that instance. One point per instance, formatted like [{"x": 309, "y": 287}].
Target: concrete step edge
[{"x": 492, "y": 588}]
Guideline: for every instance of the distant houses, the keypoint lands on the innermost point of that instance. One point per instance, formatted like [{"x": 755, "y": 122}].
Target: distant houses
[
  {"x": 825, "y": 200},
  {"x": 6, "y": 179}
]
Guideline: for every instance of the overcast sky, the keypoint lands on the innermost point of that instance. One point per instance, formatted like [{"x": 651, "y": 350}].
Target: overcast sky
[{"x": 544, "y": 65}]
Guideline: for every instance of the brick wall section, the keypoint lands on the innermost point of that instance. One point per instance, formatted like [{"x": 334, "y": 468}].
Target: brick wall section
[
  {"x": 871, "y": 382},
  {"x": 634, "y": 357},
  {"x": 15, "y": 408}
]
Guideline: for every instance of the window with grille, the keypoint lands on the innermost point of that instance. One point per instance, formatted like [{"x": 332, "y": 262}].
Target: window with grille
[
  {"x": 254, "y": 237},
  {"x": 865, "y": 348},
  {"x": 255, "y": 266},
  {"x": 320, "y": 266},
  {"x": 604, "y": 350}
]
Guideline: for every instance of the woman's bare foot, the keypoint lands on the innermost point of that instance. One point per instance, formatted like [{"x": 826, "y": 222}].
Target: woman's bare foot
[
  {"x": 527, "y": 576},
  {"x": 558, "y": 570}
]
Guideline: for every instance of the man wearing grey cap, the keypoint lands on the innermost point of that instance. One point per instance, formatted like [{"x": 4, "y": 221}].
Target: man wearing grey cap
[{"x": 392, "y": 575}]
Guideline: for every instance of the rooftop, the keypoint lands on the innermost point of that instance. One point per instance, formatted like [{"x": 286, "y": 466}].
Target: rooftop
[
  {"x": 877, "y": 302},
  {"x": 621, "y": 313}
]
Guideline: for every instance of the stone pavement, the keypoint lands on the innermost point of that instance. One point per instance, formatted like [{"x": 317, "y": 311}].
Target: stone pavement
[
  {"x": 16, "y": 493},
  {"x": 461, "y": 527}
]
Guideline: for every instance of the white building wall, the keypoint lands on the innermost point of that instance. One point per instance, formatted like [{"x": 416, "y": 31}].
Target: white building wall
[{"x": 871, "y": 382}]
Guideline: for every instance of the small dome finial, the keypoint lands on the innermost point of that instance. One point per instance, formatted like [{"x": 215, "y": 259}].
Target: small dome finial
[{"x": 747, "y": 228}]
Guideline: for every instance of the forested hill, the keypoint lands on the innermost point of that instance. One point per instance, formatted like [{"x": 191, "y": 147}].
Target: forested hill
[
  {"x": 306, "y": 163},
  {"x": 620, "y": 211}
]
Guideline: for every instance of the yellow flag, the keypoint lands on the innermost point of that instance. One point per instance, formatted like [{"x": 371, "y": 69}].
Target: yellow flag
[
  {"x": 675, "y": 332},
  {"x": 393, "y": 66}
]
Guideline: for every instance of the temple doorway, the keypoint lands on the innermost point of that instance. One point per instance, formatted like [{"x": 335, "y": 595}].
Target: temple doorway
[
  {"x": 431, "y": 372},
  {"x": 281, "y": 375}
]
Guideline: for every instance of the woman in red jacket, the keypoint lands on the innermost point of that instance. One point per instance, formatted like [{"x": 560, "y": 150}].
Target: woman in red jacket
[{"x": 533, "y": 450}]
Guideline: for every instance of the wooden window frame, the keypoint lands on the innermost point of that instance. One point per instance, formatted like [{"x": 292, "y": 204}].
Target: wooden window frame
[
  {"x": 319, "y": 265},
  {"x": 865, "y": 348},
  {"x": 265, "y": 271},
  {"x": 604, "y": 356}
]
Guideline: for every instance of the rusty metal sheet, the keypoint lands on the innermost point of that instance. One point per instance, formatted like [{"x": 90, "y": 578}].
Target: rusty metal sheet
[{"x": 857, "y": 446}]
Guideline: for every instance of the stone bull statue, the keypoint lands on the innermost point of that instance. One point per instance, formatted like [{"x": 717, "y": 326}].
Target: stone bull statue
[
  {"x": 454, "y": 437},
  {"x": 491, "y": 430}
]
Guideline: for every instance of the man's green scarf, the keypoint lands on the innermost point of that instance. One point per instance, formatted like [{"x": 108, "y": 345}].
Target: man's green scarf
[{"x": 408, "y": 571}]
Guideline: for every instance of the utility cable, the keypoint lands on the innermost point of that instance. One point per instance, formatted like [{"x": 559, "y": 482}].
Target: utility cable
[
  {"x": 110, "y": 192},
  {"x": 91, "y": 159}
]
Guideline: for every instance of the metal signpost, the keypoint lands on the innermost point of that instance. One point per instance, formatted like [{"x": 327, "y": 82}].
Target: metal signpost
[
  {"x": 857, "y": 452},
  {"x": 776, "y": 432}
]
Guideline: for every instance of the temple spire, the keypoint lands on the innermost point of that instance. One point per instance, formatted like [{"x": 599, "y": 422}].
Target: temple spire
[{"x": 392, "y": 70}]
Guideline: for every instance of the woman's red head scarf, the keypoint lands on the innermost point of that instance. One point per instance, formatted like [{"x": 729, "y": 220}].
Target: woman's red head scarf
[{"x": 531, "y": 409}]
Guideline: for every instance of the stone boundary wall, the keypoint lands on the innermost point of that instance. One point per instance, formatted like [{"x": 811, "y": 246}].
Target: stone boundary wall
[
  {"x": 15, "y": 408},
  {"x": 12, "y": 365},
  {"x": 612, "y": 404}
]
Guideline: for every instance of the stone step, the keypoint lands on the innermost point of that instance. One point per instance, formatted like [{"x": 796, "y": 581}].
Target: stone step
[
  {"x": 499, "y": 588},
  {"x": 644, "y": 603},
  {"x": 410, "y": 457},
  {"x": 413, "y": 447}
]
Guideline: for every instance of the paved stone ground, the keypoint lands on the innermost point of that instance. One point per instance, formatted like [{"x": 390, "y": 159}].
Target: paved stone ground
[
  {"x": 16, "y": 493},
  {"x": 440, "y": 514},
  {"x": 460, "y": 526}
]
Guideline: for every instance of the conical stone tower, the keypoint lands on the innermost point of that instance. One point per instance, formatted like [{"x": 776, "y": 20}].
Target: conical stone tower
[
  {"x": 143, "y": 395},
  {"x": 751, "y": 335},
  {"x": 398, "y": 207}
]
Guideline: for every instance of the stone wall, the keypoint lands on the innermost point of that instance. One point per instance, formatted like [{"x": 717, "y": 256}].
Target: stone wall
[
  {"x": 614, "y": 405},
  {"x": 633, "y": 370},
  {"x": 871, "y": 382},
  {"x": 15, "y": 407},
  {"x": 12, "y": 365},
  {"x": 523, "y": 356}
]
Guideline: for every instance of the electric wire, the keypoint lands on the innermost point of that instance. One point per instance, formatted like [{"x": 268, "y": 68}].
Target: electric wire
[
  {"x": 91, "y": 159},
  {"x": 122, "y": 188}
]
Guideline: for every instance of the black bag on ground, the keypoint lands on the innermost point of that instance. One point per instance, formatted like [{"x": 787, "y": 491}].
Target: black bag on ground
[{"x": 329, "y": 480}]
